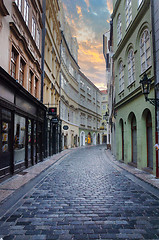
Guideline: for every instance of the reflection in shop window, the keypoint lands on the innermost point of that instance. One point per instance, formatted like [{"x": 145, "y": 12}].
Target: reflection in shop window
[
  {"x": 19, "y": 139},
  {"x": 29, "y": 139},
  {"x": 34, "y": 143}
]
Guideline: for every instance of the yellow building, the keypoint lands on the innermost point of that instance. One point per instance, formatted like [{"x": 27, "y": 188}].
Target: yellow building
[{"x": 51, "y": 90}]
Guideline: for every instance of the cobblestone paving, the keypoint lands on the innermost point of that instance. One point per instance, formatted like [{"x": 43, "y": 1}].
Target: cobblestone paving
[{"x": 84, "y": 197}]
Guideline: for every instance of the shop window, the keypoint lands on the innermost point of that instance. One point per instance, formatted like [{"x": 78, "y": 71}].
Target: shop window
[
  {"x": 34, "y": 143},
  {"x": 19, "y": 139},
  {"x": 29, "y": 139},
  {"x": 14, "y": 56},
  {"x": 5, "y": 138}
]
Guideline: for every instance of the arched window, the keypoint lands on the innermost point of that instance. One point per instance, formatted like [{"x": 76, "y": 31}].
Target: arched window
[
  {"x": 119, "y": 30},
  {"x": 128, "y": 12},
  {"x": 131, "y": 66},
  {"x": 145, "y": 50},
  {"x": 121, "y": 77}
]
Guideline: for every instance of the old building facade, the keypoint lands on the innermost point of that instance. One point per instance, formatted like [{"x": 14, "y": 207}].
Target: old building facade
[
  {"x": 133, "y": 57},
  {"x": 21, "y": 113},
  {"x": 104, "y": 111},
  {"x": 89, "y": 112},
  {"x": 51, "y": 87}
]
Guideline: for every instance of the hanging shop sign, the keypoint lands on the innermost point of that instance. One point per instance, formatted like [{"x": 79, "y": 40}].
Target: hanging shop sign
[
  {"x": 54, "y": 120},
  {"x": 52, "y": 111},
  {"x": 65, "y": 127}
]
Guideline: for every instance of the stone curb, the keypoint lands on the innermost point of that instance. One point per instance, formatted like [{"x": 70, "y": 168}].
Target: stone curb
[
  {"x": 144, "y": 176},
  {"x": 18, "y": 180}
]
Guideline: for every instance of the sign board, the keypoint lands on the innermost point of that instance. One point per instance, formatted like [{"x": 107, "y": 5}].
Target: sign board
[
  {"x": 52, "y": 111},
  {"x": 54, "y": 120},
  {"x": 65, "y": 127}
]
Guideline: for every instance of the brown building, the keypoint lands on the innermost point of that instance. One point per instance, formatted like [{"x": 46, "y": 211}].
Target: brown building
[{"x": 21, "y": 112}]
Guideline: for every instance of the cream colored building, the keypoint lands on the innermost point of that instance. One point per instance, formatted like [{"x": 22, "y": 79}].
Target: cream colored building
[
  {"x": 89, "y": 112},
  {"x": 104, "y": 112},
  {"x": 69, "y": 86},
  {"x": 51, "y": 90}
]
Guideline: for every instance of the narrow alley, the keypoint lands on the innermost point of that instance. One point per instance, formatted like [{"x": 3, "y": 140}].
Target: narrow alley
[{"x": 84, "y": 195}]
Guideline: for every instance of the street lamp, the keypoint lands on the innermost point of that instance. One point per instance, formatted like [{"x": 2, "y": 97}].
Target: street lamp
[
  {"x": 106, "y": 116},
  {"x": 145, "y": 87}
]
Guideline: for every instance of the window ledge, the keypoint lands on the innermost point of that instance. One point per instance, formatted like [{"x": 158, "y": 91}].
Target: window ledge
[
  {"x": 131, "y": 85},
  {"x": 147, "y": 71},
  {"x": 121, "y": 92}
]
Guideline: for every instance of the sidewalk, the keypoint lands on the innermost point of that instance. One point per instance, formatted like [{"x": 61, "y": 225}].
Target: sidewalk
[
  {"x": 18, "y": 180},
  {"x": 145, "y": 176}
]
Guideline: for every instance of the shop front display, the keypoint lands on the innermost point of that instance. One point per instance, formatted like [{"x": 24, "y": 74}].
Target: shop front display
[
  {"x": 19, "y": 139},
  {"x": 22, "y": 119},
  {"x": 5, "y": 136}
]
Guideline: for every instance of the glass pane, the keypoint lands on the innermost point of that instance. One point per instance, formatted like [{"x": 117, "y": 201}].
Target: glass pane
[
  {"x": 34, "y": 144},
  {"x": 5, "y": 138},
  {"x": 19, "y": 139},
  {"x": 29, "y": 139}
]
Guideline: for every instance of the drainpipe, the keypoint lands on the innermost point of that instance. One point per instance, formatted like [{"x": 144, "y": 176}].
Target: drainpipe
[
  {"x": 156, "y": 83},
  {"x": 60, "y": 140},
  {"x": 43, "y": 48}
]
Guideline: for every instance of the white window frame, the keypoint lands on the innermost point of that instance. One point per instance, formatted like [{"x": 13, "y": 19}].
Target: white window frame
[
  {"x": 131, "y": 66},
  {"x": 121, "y": 77},
  {"x": 145, "y": 50},
  {"x": 128, "y": 12},
  {"x": 19, "y": 4},
  {"x": 26, "y": 12},
  {"x": 38, "y": 38},
  {"x": 33, "y": 27},
  {"x": 119, "y": 28}
]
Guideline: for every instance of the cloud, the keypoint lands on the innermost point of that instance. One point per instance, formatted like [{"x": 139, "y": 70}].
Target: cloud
[
  {"x": 110, "y": 6},
  {"x": 79, "y": 11},
  {"x": 87, "y": 3},
  {"x": 88, "y": 21},
  {"x": 91, "y": 62}
]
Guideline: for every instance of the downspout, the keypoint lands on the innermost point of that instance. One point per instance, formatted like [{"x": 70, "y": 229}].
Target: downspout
[
  {"x": 43, "y": 48},
  {"x": 155, "y": 75},
  {"x": 60, "y": 140}
]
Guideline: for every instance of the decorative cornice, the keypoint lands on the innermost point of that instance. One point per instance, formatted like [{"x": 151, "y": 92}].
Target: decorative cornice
[
  {"x": 23, "y": 39},
  {"x": 115, "y": 8},
  {"x": 132, "y": 27}
]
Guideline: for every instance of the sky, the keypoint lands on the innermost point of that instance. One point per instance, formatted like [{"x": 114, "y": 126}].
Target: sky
[{"x": 89, "y": 20}]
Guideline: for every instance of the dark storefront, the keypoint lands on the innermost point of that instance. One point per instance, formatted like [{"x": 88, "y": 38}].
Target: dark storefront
[
  {"x": 22, "y": 120},
  {"x": 53, "y": 133}
]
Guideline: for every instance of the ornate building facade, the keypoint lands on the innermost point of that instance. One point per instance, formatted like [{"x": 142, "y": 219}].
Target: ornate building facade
[
  {"x": 51, "y": 87},
  {"x": 21, "y": 113},
  {"x": 133, "y": 58}
]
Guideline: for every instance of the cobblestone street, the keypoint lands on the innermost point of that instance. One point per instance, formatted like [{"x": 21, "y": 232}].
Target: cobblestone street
[{"x": 83, "y": 196}]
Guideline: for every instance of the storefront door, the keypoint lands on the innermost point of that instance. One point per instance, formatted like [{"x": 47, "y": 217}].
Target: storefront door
[
  {"x": 134, "y": 140},
  {"x": 5, "y": 139}
]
